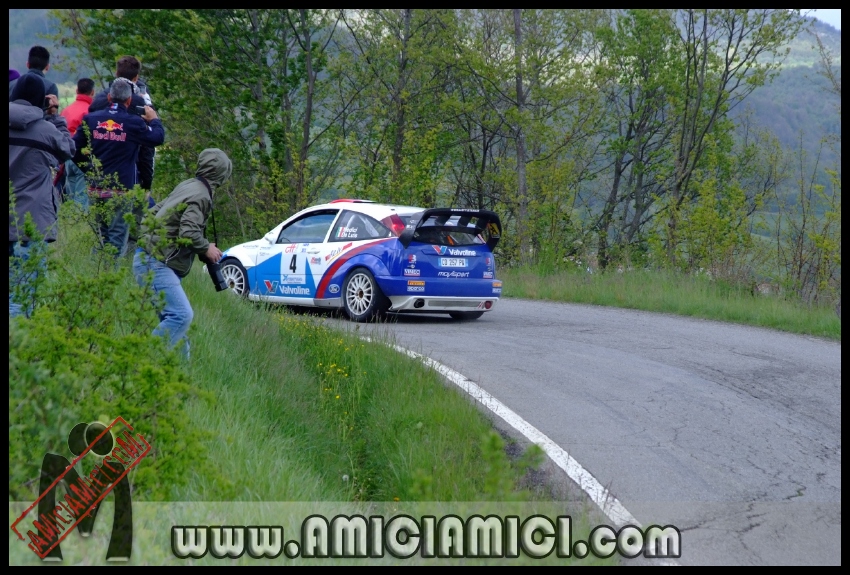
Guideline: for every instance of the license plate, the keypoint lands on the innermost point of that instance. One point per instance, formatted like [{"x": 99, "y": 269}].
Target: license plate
[{"x": 452, "y": 262}]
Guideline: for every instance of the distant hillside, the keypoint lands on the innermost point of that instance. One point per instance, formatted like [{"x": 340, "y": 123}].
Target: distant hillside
[
  {"x": 804, "y": 47},
  {"x": 796, "y": 105},
  {"x": 27, "y": 28}
]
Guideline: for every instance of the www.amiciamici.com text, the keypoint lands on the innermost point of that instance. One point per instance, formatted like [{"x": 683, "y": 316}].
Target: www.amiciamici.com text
[{"x": 403, "y": 536}]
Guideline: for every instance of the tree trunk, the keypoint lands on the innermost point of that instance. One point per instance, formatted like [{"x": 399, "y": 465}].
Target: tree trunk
[
  {"x": 522, "y": 184},
  {"x": 301, "y": 194},
  {"x": 400, "y": 103}
]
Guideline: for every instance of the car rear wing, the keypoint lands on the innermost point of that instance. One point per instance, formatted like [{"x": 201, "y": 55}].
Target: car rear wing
[{"x": 483, "y": 223}]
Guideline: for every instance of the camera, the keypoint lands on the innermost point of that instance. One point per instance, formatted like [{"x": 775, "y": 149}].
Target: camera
[
  {"x": 214, "y": 269},
  {"x": 138, "y": 110}
]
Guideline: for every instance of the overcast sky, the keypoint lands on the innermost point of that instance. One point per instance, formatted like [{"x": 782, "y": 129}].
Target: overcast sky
[{"x": 831, "y": 16}]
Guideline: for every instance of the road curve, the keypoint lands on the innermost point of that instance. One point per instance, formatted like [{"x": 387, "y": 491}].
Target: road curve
[{"x": 730, "y": 433}]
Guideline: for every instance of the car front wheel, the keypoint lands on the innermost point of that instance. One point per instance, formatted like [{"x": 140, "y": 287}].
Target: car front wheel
[
  {"x": 235, "y": 276},
  {"x": 362, "y": 299}
]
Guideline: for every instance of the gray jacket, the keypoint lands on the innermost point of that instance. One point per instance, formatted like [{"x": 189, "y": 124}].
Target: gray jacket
[
  {"x": 37, "y": 143},
  {"x": 183, "y": 214}
]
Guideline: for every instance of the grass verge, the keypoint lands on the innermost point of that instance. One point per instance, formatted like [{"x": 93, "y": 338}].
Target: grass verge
[{"x": 673, "y": 293}]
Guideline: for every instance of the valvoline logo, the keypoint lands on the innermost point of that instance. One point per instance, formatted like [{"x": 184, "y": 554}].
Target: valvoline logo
[
  {"x": 110, "y": 125},
  {"x": 440, "y": 249}
]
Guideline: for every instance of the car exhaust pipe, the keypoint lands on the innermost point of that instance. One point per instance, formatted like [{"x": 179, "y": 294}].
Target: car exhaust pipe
[{"x": 419, "y": 303}]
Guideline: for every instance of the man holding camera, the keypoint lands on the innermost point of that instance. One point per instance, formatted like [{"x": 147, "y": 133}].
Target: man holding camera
[
  {"x": 171, "y": 241},
  {"x": 37, "y": 143},
  {"x": 116, "y": 137},
  {"x": 128, "y": 68}
]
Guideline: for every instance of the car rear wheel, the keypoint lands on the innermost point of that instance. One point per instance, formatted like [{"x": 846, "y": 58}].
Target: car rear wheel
[
  {"x": 362, "y": 299},
  {"x": 466, "y": 315},
  {"x": 235, "y": 276}
]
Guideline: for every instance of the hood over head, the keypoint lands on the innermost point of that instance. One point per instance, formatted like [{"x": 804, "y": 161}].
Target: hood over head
[
  {"x": 22, "y": 115},
  {"x": 214, "y": 166}
]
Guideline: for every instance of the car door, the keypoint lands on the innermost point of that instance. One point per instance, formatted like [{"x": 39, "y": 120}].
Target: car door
[
  {"x": 285, "y": 272},
  {"x": 350, "y": 231}
]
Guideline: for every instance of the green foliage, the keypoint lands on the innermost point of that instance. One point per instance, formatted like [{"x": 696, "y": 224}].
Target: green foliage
[
  {"x": 715, "y": 227},
  {"x": 609, "y": 128},
  {"x": 399, "y": 441},
  {"x": 87, "y": 354}
]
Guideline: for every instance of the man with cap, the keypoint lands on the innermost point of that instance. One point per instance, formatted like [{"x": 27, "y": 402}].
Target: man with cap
[{"x": 37, "y": 145}]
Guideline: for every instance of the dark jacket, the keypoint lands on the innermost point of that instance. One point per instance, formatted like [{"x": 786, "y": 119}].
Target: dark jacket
[
  {"x": 183, "y": 214},
  {"x": 36, "y": 145},
  {"x": 146, "y": 153},
  {"x": 49, "y": 87},
  {"x": 116, "y": 137}
]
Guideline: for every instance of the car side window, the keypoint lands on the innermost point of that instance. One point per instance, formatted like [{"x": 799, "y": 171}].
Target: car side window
[
  {"x": 310, "y": 229},
  {"x": 355, "y": 226}
]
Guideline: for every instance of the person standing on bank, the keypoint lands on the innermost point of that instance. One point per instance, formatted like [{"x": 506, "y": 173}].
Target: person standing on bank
[
  {"x": 128, "y": 68},
  {"x": 169, "y": 250},
  {"x": 37, "y": 143},
  {"x": 116, "y": 137},
  {"x": 75, "y": 180}
]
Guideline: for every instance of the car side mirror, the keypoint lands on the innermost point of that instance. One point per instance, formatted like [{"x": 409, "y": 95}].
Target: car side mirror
[{"x": 269, "y": 237}]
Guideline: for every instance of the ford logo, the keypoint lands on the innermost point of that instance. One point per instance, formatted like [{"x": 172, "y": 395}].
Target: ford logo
[{"x": 333, "y": 288}]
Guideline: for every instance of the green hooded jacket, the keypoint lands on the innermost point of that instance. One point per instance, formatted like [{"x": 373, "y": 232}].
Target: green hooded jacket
[{"x": 184, "y": 214}]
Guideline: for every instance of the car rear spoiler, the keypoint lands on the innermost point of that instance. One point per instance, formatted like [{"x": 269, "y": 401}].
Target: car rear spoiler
[{"x": 480, "y": 222}]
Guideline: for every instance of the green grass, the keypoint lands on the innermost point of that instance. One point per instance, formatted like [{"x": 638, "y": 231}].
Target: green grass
[{"x": 673, "y": 293}]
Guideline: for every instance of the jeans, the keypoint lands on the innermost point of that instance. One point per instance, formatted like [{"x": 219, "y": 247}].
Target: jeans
[
  {"x": 76, "y": 187},
  {"x": 114, "y": 230},
  {"x": 176, "y": 317},
  {"x": 24, "y": 281}
]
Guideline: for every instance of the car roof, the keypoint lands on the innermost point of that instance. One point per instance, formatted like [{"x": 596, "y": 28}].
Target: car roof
[{"x": 374, "y": 209}]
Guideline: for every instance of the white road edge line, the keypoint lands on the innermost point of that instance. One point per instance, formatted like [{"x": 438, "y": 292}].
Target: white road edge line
[
  {"x": 610, "y": 505},
  {"x": 607, "y": 503}
]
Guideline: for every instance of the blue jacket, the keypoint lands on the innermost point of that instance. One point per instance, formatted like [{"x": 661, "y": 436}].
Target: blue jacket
[
  {"x": 116, "y": 136},
  {"x": 146, "y": 153}
]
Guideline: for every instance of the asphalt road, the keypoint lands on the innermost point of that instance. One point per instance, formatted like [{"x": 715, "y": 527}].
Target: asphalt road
[{"x": 730, "y": 433}]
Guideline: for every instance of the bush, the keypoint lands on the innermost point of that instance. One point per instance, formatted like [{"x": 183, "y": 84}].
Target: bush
[{"x": 86, "y": 354}]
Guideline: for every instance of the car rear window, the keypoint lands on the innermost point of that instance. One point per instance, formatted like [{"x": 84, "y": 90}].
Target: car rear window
[{"x": 455, "y": 230}]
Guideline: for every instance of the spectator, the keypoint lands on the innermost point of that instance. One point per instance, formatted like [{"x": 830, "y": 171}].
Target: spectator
[
  {"x": 183, "y": 216},
  {"x": 75, "y": 180},
  {"x": 37, "y": 144},
  {"x": 129, "y": 68},
  {"x": 38, "y": 63},
  {"x": 116, "y": 137}
]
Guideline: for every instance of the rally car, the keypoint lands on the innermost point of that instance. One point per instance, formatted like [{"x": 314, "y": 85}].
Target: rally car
[{"x": 369, "y": 258}]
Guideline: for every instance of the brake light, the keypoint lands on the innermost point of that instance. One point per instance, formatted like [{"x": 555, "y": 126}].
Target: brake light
[
  {"x": 394, "y": 223},
  {"x": 488, "y": 304}
]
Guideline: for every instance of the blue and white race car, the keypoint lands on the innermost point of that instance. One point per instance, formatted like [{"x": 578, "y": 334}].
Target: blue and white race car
[{"x": 370, "y": 258}]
